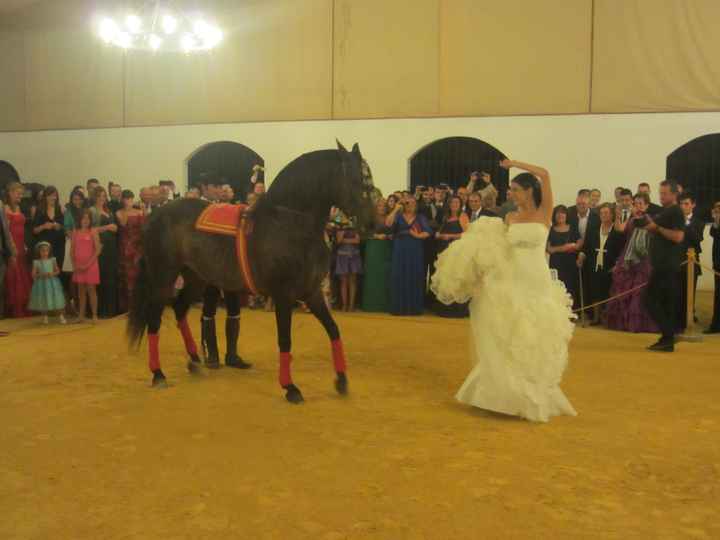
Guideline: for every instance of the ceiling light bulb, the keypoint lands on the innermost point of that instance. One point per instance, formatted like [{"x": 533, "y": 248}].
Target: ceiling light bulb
[
  {"x": 123, "y": 39},
  {"x": 201, "y": 28},
  {"x": 215, "y": 37},
  {"x": 187, "y": 43},
  {"x": 108, "y": 29},
  {"x": 133, "y": 23},
  {"x": 154, "y": 42},
  {"x": 169, "y": 24}
]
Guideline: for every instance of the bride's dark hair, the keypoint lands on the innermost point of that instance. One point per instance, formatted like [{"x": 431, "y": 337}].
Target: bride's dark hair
[{"x": 529, "y": 181}]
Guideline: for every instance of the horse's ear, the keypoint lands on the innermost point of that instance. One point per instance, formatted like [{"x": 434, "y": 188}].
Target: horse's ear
[
  {"x": 340, "y": 146},
  {"x": 356, "y": 149}
]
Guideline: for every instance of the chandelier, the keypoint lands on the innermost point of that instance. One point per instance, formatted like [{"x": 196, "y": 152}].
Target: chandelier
[{"x": 158, "y": 28}]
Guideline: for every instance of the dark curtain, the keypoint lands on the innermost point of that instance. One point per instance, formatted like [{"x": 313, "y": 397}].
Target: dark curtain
[
  {"x": 451, "y": 161},
  {"x": 696, "y": 165},
  {"x": 230, "y": 160},
  {"x": 8, "y": 174}
]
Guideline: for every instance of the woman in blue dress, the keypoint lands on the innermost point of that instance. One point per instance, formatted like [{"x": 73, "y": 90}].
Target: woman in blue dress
[{"x": 408, "y": 279}]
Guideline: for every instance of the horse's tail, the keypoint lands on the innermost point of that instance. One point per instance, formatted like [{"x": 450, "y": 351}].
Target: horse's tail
[{"x": 139, "y": 304}]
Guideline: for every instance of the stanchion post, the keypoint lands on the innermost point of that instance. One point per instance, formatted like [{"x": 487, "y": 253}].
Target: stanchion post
[
  {"x": 689, "y": 334},
  {"x": 582, "y": 300}
]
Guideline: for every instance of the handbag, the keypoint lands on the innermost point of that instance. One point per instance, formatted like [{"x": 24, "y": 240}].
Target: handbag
[{"x": 67, "y": 262}]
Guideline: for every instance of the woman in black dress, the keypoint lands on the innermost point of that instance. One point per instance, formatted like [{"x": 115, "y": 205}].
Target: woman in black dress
[
  {"x": 48, "y": 224},
  {"x": 104, "y": 223},
  {"x": 454, "y": 223},
  {"x": 564, "y": 243}
]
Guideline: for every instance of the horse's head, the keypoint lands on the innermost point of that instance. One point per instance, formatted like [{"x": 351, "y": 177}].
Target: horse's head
[{"x": 355, "y": 196}]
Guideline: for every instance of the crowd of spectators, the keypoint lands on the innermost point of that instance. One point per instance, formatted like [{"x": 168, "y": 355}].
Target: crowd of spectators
[{"x": 598, "y": 249}]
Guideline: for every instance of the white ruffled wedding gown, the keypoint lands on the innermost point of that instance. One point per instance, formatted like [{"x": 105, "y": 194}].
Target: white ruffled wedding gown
[{"x": 520, "y": 317}]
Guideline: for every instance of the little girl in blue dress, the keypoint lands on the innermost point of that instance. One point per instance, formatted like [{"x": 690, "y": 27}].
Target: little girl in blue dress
[{"x": 47, "y": 294}]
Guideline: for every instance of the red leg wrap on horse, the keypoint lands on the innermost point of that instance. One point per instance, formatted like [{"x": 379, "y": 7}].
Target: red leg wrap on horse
[
  {"x": 338, "y": 355},
  {"x": 284, "y": 376},
  {"x": 187, "y": 336},
  {"x": 154, "y": 350}
]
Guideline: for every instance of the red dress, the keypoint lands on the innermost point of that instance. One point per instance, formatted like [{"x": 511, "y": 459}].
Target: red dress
[
  {"x": 130, "y": 252},
  {"x": 18, "y": 280}
]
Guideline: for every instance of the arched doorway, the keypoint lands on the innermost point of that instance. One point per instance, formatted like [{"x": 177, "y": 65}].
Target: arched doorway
[
  {"x": 451, "y": 160},
  {"x": 696, "y": 165},
  {"x": 8, "y": 174},
  {"x": 230, "y": 160}
]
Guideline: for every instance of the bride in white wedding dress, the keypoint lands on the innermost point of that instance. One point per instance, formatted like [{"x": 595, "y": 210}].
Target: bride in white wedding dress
[{"x": 520, "y": 315}]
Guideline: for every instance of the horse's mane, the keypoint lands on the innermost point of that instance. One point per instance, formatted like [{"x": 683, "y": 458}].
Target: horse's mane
[{"x": 305, "y": 180}]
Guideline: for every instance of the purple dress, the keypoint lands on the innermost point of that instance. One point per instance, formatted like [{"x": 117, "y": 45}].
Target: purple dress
[
  {"x": 628, "y": 313},
  {"x": 348, "y": 260}
]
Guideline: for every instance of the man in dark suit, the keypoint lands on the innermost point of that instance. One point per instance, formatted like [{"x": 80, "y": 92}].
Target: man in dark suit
[
  {"x": 601, "y": 248},
  {"x": 211, "y": 184},
  {"x": 580, "y": 216},
  {"x": 427, "y": 208},
  {"x": 653, "y": 209},
  {"x": 475, "y": 208},
  {"x": 595, "y": 200},
  {"x": 694, "y": 228},
  {"x": 715, "y": 233}
]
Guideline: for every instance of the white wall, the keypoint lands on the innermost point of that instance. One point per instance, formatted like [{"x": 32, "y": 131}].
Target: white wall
[{"x": 601, "y": 151}]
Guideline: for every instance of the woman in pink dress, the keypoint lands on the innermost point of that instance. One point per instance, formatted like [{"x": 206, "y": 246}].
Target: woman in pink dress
[
  {"x": 131, "y": 221},
  {"x": 86, "y": 248},
  {"x": 18, "y": 281}
]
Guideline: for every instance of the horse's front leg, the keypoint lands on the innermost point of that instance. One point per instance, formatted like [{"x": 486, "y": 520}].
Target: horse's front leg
[
  {"x": 283, "y": 318},
  {"x": 319, "y": 308}
]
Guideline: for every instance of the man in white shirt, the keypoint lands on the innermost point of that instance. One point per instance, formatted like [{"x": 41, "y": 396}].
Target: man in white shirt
[{"x": 580, "y": 215}]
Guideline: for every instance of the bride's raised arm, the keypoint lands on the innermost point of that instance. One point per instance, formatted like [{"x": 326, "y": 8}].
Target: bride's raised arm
[{"x": 547, "y": 204}]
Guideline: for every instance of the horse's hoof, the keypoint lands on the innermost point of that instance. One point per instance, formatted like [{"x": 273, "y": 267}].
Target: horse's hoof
[
  {"x": 341, "y": 384},
  {"x": 293, "y": 394},
  {"x": 193, "y": 366},
  {"x": 236, "y": 362},
  {"x": 159, "y": 380}
]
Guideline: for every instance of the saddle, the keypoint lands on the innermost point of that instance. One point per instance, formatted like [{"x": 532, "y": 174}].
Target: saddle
[{"x": 231, "y": 220}]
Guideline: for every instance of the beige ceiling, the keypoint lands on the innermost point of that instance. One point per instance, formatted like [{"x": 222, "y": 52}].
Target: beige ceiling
[{"x": 12, "y": 6}]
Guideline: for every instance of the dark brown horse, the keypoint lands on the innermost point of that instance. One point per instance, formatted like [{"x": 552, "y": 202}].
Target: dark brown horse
[{"x": 287, "y": 253}]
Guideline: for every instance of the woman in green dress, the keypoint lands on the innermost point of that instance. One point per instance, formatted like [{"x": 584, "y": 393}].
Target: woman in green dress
[{"x": 378, "y": 258}]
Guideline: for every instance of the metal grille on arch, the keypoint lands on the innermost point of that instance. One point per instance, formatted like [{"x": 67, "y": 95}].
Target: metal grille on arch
[
  {"x": 452, "y": 159},
  {"x": 8, "y": 174},
  {"x": 230, "y": 160}
]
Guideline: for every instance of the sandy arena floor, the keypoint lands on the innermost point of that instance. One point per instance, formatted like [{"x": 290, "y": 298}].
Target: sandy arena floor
[{"x": 89, "y": 451}]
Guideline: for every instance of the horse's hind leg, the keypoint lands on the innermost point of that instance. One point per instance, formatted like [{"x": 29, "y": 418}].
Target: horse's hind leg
[
  {"x": 319, "y": 308},
  {"x": 154, "y": 318},
  {"x": 181, "y": 306},
  {"x": 283, "y": 318}
]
